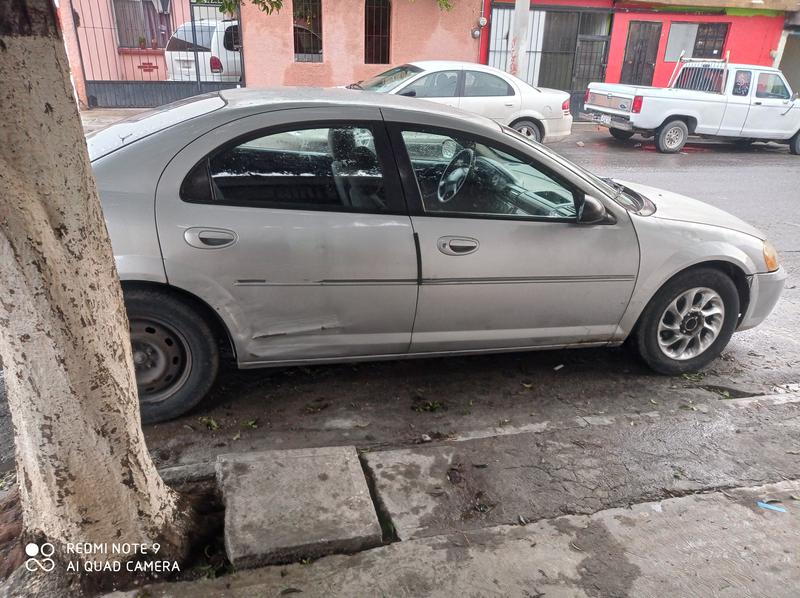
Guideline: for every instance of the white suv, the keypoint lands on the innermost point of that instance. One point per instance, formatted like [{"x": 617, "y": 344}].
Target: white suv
[{"x": 216, "y": 46}]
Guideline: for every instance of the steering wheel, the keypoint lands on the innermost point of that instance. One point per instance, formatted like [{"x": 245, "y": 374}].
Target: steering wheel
[{"x": 455, "y": 175}]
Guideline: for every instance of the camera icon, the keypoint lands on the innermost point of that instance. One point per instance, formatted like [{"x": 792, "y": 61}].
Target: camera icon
[{"x": 45, "y": 551}]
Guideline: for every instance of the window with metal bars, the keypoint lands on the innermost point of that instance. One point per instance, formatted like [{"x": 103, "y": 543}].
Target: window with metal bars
[
  {"x": 710, "y": 40},
  {"x": 377, "y": 21},
  {"x": 307, "y": 30},
  {"x": 142, "y": 23}
]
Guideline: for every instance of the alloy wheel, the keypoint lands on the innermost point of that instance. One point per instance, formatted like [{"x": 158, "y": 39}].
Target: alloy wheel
[{"x": 691, "y": 323}]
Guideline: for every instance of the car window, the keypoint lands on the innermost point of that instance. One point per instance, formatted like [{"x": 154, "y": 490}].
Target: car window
[
  {"x": 231, "y": 39},
  {"x": 478, "y": 84},
  {"x": 184, "y": 40},
  {"x": 741, "y": 83},
  {"x": 463, "y": 176},
  {"x": 333, "y": 168},
  {"x": 770, "y": 85},
  {"x": 434, "y": 85}
]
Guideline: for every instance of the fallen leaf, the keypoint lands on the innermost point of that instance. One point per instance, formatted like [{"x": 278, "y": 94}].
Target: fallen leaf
[
  {"x": 250, "y": 423},
  {"x": 209, "y": 422},
  {"x": 654, "y": 402},
  {"x": 237, "y": 436}
]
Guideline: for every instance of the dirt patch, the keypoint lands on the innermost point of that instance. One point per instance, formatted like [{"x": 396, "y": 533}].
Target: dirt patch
[{"x": 606, "y": 571}]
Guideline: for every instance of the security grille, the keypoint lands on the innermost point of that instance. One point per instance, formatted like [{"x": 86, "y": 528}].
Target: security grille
[
  {"x": 307, "y": 30},
  {"x": 377, "y": 21}
]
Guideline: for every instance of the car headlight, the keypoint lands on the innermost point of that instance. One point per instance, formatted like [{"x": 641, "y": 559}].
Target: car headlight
[{"x": 770, "y": 257}]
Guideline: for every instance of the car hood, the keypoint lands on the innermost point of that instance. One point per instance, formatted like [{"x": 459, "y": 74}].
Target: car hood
[{"x": 673, "y": 206}]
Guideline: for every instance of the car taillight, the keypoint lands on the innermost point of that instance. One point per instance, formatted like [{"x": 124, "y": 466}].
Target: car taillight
[
  {"x": 636, "y": 107},
  {"x": 565, "y": 105},
  {"x": 216, "y": 64},
  {"x": 586, "y": 97}
]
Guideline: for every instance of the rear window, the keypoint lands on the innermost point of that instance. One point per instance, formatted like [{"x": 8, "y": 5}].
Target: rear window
[
  {"x": 186, "y": 40},
  {"x": 123, "y": 133}
]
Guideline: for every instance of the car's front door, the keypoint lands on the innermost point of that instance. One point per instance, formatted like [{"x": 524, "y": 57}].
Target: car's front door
[
  {"x": 504, "y": 261},
  {"x": 295, "y": 233},
  {"x": 490, "y": 96},
  {"x": 438, "y": 86},
  {"x": 773, "y": 114}
]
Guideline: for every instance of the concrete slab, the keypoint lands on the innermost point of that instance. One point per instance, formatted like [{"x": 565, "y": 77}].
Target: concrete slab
[
  {"x": 435, "y": 489},
  {"x": 284, "y": 506},
  {"x": 718, "y": 544}
]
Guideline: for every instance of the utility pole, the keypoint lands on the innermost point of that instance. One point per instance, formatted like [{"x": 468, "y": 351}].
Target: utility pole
[{"x": 518, "y": 64}]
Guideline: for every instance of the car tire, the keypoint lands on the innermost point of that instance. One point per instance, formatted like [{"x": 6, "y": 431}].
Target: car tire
[
  {"x": 794, "y": 144},
  {"x": 660, "y": 334},
  {"x": 175, "y": 354},
  {"x": 529, "y": 129},
  {"x": 672, "y": 136},
  {"x": 620, "y": 134}
]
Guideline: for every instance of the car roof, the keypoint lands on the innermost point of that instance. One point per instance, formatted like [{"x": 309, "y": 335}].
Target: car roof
[
  {"x": 278, "y": 97},
  {"x": 436, "y": 65},
  {"x": 230, "y": 104}
]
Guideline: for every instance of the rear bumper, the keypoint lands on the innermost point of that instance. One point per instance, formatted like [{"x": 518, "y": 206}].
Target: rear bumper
[
  {"x": 765, "y": 291},
  {"x": 556, "y": 129},
  {"x": 608, "y": 120}
]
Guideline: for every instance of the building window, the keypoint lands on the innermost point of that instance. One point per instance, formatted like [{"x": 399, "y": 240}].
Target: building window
[
  {"x": 377, "y": 16},
  {"x": 142, "y": 23},
  {"x": 307, "y": 30},
  {"x": 696, "y": 40}
]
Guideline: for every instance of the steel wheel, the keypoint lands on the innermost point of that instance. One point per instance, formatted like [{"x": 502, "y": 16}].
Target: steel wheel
[
  {"x": 691, "y": 323},
  {"x": 161, "y": 359},
  {"x": 674, "y": 138}
]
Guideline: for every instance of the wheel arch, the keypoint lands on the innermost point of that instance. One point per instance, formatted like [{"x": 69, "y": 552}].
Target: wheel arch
[
  {"x": 218, "y": 326},
  {"x": 531, "y": 118},
  {"x": 732, "y": 270},
  {"x": 691, "y": 121}
]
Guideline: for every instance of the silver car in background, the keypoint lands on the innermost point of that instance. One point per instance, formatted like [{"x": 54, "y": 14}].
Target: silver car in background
[{"x": 317, "y": 226}]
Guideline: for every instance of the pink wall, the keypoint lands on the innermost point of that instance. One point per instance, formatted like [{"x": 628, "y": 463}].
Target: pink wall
[
  {"x": 95, "y": 31},
  {"x": 750, "y": 39},
  {"x": 419, "y": 31}
]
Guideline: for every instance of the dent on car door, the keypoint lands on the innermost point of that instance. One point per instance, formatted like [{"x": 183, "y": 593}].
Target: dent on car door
[
  {"x": 295, "y": 233},
  {"x": 504, "y": 262}
]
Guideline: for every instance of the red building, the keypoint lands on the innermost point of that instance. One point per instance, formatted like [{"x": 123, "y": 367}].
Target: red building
[{"x": 573, "y": 42}]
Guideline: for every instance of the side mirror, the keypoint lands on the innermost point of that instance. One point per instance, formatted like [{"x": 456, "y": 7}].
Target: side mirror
[
  {"x": 410, "y": 93},
  {"x": 795, "y": 95},
  {"x": 592, "y": 211}
]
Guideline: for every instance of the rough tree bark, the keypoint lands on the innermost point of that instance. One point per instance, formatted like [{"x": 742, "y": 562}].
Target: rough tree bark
[{"x": 83, "y": 469}]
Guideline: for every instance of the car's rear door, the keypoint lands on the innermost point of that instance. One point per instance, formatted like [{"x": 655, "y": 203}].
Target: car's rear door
[
  {"x": 504, "y": 263},
  {"x": 291, "y": 225},
  {"x": 489, "y": 95}
]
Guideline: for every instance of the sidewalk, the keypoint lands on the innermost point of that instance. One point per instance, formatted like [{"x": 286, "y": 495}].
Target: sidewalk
[
  {"x": 99, "y": 118},
  {"x": 718, "y": 544}
]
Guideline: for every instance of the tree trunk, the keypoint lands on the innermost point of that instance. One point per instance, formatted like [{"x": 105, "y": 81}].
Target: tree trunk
[{"x": 84, "y": 472}]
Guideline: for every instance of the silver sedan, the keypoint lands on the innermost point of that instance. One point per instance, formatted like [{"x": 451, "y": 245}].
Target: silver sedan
[{"x": 316, "y": 226}]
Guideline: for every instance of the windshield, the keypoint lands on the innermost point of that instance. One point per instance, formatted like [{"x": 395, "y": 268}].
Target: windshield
[
  {"x": 608, "y": 186},
  {"x": 390, "y": 79}
]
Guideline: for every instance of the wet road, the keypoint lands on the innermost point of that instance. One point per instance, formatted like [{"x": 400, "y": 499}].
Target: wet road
[{"x": 401, "y": 403}]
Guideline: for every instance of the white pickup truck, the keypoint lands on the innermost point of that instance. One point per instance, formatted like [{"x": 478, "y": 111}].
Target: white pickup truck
[{"x": 739, "y": 102}]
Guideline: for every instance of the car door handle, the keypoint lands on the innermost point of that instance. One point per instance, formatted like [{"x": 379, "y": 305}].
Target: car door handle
[
  {"x": 756, "y": 103},
  {"x": 457, "y": 245},
  {"x": 210, "y": 238}
]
